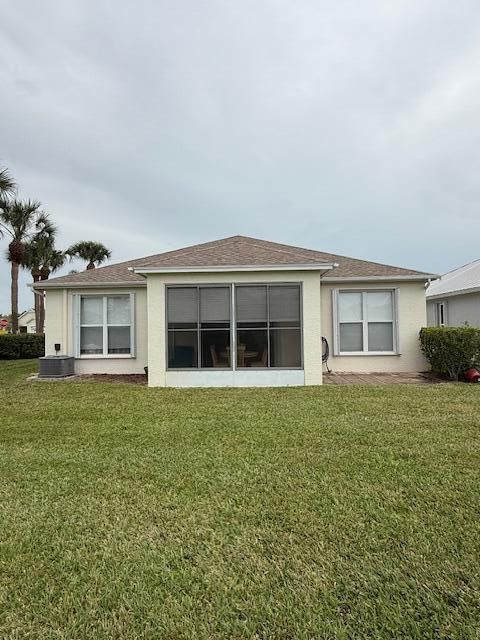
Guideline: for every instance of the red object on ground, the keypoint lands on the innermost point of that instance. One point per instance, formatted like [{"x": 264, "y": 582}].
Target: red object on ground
[{"x": 472, "y": 375}]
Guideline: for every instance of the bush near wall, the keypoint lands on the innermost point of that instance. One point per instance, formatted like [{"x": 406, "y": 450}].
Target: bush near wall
[
  {"x": 22, "y": 346},
  {"x": 451, "y": 350}
]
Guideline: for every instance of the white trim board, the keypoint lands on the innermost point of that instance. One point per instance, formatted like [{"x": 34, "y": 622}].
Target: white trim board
[
  {"x": 236, "y": 378},
  {"x": 320, "y": 266}
]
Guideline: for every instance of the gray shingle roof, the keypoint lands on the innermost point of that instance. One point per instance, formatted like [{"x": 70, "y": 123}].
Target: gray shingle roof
[{"x": 233, "y": 251}]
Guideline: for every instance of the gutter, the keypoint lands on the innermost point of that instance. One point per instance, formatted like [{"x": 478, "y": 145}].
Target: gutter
[
  {"x": 410, "y": 278},
  {"x": 37, "y": 286},
  {"x": 451, "y": 294}
]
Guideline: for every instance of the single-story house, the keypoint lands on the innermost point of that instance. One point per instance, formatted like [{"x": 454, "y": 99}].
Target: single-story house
[
  {"x": 238, "y": 312},
  {"x": 454, "y": 299},
  {"x": 26, "y": 321}
]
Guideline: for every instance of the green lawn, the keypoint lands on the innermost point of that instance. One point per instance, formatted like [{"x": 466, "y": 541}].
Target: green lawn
[{"x": 334, "y": 512}]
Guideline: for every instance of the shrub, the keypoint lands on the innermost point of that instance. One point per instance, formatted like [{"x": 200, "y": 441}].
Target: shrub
[
  {"x": 21, "y": 346},
  {"x": 451, "y": 350}
]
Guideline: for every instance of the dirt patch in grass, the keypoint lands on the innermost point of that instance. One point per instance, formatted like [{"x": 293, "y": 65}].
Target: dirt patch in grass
[{"x": 133, "y": 378}]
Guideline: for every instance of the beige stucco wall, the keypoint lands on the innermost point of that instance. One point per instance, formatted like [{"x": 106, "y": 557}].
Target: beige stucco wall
[
  {"x": 59, "y": 329},
  {"x": 150, "y": 331},
  {"x": 160, "y": 377},
  {"x": 411, "y": 317}
]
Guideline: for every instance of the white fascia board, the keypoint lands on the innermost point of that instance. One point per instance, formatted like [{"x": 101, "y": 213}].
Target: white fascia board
[
  {"x": 233, "y": 268},
  {"x": 451, "y": 294},
  {"x": 419, "y": 278},
  {"x": 86, "y": 285}
]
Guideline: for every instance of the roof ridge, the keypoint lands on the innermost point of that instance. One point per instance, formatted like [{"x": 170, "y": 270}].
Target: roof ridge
[{"x": 468, "y": 266}]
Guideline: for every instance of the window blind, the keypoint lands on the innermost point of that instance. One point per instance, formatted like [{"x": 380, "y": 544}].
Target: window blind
[
  {"x": 182, "y": 304},
  {"x": 214, "y": 304},
  {"x": 284, "y": 304},
  {"x": 251, "y": 303}
]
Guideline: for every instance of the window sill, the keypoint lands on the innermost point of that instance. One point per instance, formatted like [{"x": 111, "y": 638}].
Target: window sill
[
  {"x": 360, "y": 354},
  {"x": 109, "y": 356}
]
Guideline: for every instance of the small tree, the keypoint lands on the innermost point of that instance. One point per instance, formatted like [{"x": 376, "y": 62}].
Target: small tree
[
  {"x": 21, "y": 222},
  {"x": 42, "y": 259},
  {"x": 94, "y": 253}
]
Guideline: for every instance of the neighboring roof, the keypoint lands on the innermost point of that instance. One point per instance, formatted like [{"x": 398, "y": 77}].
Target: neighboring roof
[
  {"x": 25, "y": 313},
  {"x": 465, "y": 279},
  {"x": 236, "y": 251}
]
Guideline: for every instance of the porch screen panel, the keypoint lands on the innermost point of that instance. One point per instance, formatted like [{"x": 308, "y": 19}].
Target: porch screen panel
[
  {"x": 268, "y": 320},
  {"x": 284, "y": 326},
  {"x": 198, "y": 327},
  {"x": 215, "y": 305}
]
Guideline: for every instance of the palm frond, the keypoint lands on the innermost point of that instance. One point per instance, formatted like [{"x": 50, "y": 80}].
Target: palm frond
[{"x": 7, "y": 184}]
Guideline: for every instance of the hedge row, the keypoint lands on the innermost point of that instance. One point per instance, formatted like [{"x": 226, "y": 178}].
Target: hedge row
[
  {"x": 451, "y": 350},
  {"x": 21, "y": 346}
]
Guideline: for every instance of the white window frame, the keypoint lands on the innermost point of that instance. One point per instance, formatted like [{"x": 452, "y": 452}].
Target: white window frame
[
  {"x": 336, "y": 322},
  {"x": 77, "y": 326}
]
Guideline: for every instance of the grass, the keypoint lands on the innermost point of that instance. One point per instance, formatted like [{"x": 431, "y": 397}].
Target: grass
[{"x": 335, "y": 512}]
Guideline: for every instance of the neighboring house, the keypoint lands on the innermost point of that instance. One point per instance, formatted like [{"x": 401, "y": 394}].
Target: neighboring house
[
  {"x": 454, "y": 299},
  {"x": 238, "y": 312},
  {"x": 26, "y": 321}
]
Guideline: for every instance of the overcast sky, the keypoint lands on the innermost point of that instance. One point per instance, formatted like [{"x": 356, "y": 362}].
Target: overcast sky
[{"x": 350, "y": 127}]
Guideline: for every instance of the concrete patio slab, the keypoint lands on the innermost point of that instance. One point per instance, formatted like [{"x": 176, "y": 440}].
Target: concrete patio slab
[{"x": 381, "y": 378}]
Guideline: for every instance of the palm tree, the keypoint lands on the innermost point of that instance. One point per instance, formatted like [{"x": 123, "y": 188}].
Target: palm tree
[
  {"x": 7, "y": 185},
  {"x": 94, "y": 253},
  {"x": 42, "y": 259},
  {"x": 21, "y": 222}
]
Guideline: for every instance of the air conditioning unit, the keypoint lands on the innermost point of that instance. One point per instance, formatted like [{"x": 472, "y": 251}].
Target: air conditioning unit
[{"x": 56, "y": 366}]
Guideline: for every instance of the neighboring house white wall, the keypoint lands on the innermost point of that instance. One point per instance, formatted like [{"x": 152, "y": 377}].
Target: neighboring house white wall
[
  {"x": 27, "y": 321},
  {"x": 460, "y": 309},
  {"x": 158, "y": 374},
  {"x": 59, "y": 328},
  {"x": 432, "y": 320},
  {"x": 411, "y": 318}
]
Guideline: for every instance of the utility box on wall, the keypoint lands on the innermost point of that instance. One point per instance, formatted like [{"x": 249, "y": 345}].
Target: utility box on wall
[{"x": 56, "y": 366}]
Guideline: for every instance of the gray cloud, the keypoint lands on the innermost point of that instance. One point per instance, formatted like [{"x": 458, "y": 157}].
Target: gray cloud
[{"x": 347, "y": 127}]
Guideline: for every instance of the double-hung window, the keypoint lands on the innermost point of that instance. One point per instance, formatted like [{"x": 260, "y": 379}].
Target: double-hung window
[
  {"x": 365, "y": 322},
  {"x": 198, "y": 319},
  {"x": 268, "y": 326},
  {"x": 105, "y": 326}
]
